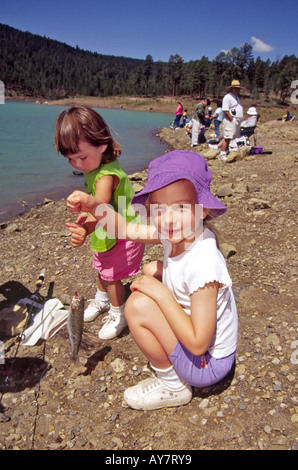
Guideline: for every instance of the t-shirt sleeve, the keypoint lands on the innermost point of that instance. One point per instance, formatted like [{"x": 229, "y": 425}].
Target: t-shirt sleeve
[{"x": 208, "y": 266}]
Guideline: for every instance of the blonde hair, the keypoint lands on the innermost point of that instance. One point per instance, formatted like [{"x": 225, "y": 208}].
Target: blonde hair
[{"x": 82, "y": 122}]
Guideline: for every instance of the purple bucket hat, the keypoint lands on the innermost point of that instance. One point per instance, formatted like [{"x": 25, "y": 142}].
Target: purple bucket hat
[{"x": 178, "y": 165}]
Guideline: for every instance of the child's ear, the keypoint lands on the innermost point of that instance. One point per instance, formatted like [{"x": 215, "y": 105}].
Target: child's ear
[
  {"x": 103, "y": 147},
  {"x": 205, "y": 213}
]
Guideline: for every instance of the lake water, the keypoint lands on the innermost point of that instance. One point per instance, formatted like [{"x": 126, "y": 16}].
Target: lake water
[{"x": 30, "y": 167}]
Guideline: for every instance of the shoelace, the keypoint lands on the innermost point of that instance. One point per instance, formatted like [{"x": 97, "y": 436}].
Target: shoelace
[
  {"x": 112, "y": 317},
  {"x": 150, "y": 385}
]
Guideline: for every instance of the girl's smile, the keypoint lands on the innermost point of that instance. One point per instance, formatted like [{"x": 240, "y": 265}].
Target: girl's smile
[{"x": 88, "y": 158}]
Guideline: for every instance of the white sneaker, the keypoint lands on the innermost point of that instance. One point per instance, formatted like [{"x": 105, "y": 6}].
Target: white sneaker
[
  {"x": 114, "y": 324},
  {"x": 95, "y": 308},
  {"x": 151, "y": 394},
  {"x": 222, "y": 156}
]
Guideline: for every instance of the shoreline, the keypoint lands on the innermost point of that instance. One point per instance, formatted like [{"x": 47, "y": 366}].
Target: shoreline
[
  {"x": 163, "y": 104},
  {"x": 165, "y": 135},
  {"x": 7, "y": 216}
]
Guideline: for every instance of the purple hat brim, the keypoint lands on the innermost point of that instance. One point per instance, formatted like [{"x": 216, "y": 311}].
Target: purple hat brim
[
  {"x": 216, "y": 208},
  {"x": 178, "y": 165}
]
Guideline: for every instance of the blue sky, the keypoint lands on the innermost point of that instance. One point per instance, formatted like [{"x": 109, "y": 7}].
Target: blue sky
[{"x": 135, "y": 28}]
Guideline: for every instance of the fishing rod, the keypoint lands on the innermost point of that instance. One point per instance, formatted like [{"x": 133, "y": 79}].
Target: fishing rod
[{"x": 34, "y": 301}]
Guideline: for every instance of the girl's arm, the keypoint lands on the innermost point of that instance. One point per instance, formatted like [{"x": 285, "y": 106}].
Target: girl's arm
[
  {"x": 104, "y": 188},
  {"x": 113, "y": 222},
  {"x": 195, "y": 332}
]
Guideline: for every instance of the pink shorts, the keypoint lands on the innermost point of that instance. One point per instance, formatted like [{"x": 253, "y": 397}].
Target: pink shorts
[{"x": 120, "y": 262}]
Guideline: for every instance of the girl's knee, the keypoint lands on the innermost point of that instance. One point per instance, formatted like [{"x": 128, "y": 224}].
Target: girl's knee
[{"x": 137, "y": 305}]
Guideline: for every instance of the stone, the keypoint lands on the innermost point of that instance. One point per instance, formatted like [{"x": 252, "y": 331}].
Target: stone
[
  {"x": 224, "y": 191},
  {"x": 118, "y": 365},
  {"x": 137, "y": 187},
  {"x": 258, "y": 204},
  {"x": 227, "y": 250}
]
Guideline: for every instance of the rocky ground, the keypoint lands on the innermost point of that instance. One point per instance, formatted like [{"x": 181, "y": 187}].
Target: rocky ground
[{"x": 50, "y": 403}]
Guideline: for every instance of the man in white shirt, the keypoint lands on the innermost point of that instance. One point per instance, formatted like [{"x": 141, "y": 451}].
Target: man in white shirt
[{"x": 232, "y": 117}]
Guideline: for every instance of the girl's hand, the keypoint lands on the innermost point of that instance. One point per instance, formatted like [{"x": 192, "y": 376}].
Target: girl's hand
[
  {"x": 82, "y": 217},
  {"x": 78, "y": 233},
  {"x": 79, "y": 201},
  {"x": 150, "y": 286}
]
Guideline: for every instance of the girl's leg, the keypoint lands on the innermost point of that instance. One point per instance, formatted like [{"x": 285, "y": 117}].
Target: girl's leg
[
  {"x": 156, "y": 340},
  {"x": 115, "y": 322},
  {"x": 99, "y": 304},
  {"x": 150, "y": 329},
  {"x": 115, "y": 290},
  {"x": 143, "y": 316}
]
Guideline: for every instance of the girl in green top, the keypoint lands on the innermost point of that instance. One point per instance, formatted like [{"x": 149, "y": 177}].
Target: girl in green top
[{"x": 84, "y": 138}]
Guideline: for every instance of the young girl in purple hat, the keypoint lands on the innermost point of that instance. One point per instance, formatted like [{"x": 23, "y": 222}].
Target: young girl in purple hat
[{"x": 181, "y": 312}]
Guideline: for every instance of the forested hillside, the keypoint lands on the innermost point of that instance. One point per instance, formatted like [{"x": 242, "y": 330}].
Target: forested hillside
[{"x": 35, "y": 66}]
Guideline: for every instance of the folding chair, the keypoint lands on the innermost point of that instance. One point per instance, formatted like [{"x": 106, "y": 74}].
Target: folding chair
[{"x": 248, "y": 132}]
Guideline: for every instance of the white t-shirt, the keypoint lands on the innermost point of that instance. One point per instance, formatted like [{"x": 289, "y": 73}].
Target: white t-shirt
[
  {"x": 232, "y": 104},
  {"x": 251, "y": 121},
  {"x": 184, "y": 274},
  {"x": 219, "y": 111}
]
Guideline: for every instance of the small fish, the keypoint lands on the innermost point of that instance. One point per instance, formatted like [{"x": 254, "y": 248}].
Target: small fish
[{"x": 75, "y": 324}]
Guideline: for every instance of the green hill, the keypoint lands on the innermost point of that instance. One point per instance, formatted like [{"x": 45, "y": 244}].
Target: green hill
[{"x": 35, "y": 66}]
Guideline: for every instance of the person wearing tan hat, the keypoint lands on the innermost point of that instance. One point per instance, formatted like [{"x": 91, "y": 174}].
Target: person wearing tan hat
[{"x": 232, "y": 117}]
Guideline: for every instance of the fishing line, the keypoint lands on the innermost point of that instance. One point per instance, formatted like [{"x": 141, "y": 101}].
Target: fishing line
[{"x": 74, "y": 259}]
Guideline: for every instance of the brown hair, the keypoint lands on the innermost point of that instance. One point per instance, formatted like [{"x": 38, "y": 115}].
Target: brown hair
[{"x": 82, "y": 122}]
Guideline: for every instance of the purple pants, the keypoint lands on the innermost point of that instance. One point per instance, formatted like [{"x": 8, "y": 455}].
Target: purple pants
[{"x": 200, "y": 371}]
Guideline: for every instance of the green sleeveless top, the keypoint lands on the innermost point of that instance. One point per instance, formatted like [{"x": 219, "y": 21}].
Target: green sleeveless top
[{"x": 101, "y": 240}]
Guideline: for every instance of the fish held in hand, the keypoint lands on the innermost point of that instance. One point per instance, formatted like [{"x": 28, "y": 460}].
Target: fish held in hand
[{"x": 75, "y": 324}]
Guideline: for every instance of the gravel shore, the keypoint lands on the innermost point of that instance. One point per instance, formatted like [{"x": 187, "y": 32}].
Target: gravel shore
[{"x": 51, "y": 403}]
